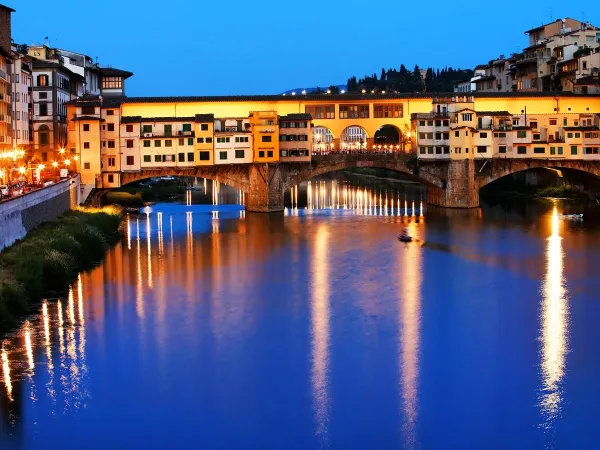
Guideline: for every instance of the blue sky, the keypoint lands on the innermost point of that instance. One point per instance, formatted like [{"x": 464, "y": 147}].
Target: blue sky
[{"x": 204, "y": 47}]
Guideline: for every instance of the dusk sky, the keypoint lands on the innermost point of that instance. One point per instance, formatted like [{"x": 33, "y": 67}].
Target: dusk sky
[{"x": 191, "y": 47}]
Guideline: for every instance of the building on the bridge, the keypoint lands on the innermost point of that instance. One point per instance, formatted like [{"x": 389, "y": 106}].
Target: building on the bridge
[
  {"x": 481, "y": 134},
  {"x": 233, "y": 141},
  {"x": 265, "y": 136},
  {"x": 295, "y": 136}
]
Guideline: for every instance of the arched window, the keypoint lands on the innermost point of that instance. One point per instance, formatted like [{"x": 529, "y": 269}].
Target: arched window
[{"x": 44, "y": 135}]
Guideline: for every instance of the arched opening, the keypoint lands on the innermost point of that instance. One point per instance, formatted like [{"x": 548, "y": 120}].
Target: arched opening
[
  {"x": 354, "y": 138},
  {"x": 176, "y": 188},
  {"x": 377, "y": 191},
  {"x": 544, "y": 182},
  {"x": 323, "y": 140},
  {"x": 387, "y": 135}
]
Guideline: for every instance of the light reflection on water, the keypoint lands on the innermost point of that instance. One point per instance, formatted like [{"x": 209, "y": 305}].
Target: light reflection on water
[
  {"x": 554, "y": 320},
  {"x": 194, "y": 321}
]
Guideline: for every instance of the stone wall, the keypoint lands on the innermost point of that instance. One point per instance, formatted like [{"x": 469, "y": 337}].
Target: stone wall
[
  {"x": 22, "y": 214},
  {"x": 460, "y": 190}
]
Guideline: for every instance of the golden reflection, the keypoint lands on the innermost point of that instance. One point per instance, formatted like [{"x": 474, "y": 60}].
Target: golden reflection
[
  {"x": 357, "y": 200},
  {"x": 554, "y": 323},
  {"x": 6, "y": 375},
  {"x": 128, "y": 232},
  {"x": 71, "y": 306},
  {"x": 61, "y": 339},
  {"x": 161, "y": 244},
  {"x": 320, "y": 329},
  {"x": 139, "y": 288},
  {"x": 409, "y": 329},
  {"x": 48, "y": 346},
  {"x": 149, "y": 251},
  {"x": 29, "y": 347}
]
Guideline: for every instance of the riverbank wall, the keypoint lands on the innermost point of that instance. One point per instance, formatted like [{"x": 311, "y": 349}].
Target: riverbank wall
[{"x": 21, "y": 214}]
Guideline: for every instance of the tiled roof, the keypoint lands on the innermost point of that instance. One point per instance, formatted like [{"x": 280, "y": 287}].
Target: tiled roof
[
  {"x": 168, "y": 119},
  {"x": 581, "y": 128},
  {"x": 588, "y": 81},
  {"x": 493, "y": 113},
  {"x": 345, "y": 97},
  {"x": 80, "y": 118},
  {"x": 131, "y": 119},
  {"x": 111, "y": 72},
  {"x": 204, "y": 118},
  {"x": 296, "y": 116},
  {"x": 96, "y": 100},
  {"x": 6, "y": 8}
]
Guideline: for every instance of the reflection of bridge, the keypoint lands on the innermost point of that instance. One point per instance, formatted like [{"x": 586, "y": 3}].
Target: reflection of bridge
[{"x": 451, "y": 183}]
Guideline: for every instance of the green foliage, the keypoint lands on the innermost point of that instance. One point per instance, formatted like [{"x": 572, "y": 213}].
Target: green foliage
[
  {"x": 406, "y": 81},
  {"x": 50, "y": 258}
]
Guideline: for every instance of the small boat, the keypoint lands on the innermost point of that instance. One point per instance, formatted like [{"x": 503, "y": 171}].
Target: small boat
[
  {"x": 572, "y": 216},
  {"x": 405, "y": 238}
]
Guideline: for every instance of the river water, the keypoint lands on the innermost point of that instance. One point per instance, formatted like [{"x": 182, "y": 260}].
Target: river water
[{"x": 210, "y": 328}]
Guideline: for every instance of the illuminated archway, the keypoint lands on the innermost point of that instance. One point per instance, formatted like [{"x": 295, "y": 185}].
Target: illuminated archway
[
  {"x": 354, "y": 137},
  {"x": 323, "y": 140}
]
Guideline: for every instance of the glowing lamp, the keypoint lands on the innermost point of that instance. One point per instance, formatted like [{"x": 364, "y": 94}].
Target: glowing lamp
[
  {"x": 61, "y": 151},
  {"x": 67, "y": 162},
  {"x": 54, "y": 164},
  {"x": 41, "y": 167},
  {"x": 76, "y": 158},
  {"x": 21, "y": 170}
]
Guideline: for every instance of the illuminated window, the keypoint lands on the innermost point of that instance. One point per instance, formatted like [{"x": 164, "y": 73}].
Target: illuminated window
[
  {"x": 389, "y": 111},
  {"x": 112, "y": 83}
]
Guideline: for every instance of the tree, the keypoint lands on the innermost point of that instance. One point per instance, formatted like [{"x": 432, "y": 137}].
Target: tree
[
  {"x": 383, "y": 75},
  {"x": 334, "y": 89}
]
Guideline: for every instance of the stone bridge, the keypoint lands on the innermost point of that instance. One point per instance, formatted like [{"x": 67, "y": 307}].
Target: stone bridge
[{"x": 451, "y": 183}]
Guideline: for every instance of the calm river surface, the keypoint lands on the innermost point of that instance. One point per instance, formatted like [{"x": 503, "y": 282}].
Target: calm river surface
[{"x": 210, "y": 328}]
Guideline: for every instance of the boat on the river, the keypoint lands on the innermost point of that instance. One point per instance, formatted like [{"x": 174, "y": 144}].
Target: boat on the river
[
  {"x": 404, "y": 237},
  {"x": 571, "y": 216}
]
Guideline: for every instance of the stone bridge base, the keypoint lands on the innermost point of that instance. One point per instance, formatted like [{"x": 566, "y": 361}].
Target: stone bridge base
[{"x": 459, "y": 188}]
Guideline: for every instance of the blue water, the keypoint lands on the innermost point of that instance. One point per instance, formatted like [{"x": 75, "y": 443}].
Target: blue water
[{"x": 207, "y": 327}]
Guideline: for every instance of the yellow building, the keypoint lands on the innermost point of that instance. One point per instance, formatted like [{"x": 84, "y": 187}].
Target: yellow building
[
  {"x": 204, "y": 129},
  {"x": 265, "y": 136}
]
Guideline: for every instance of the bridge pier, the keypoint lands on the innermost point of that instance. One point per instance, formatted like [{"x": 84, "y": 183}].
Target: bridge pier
[
  {"x": 266, "y": 188},
  {"x": 460, "y": 189}
]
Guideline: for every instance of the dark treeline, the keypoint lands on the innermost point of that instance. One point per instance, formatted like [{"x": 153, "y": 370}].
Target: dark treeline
[{"x": 404, "y": 80}]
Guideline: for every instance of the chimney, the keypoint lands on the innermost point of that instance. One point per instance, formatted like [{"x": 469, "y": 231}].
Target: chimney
[{"x": 5, "y": 31}]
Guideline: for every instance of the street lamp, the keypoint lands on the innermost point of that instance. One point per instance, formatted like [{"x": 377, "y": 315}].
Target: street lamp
[
  {"x": 41, "y": 167},
  {"x": 54, "y": 164},
  {"x": 61, "y": 151},
  {"x": 67, "y": 162}
]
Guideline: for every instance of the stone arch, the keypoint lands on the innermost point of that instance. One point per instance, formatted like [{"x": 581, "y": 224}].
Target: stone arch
[
  {"x": 330, "y": 163},
  {"x": 353, "y": 136},
  {"x": 235, "y": 176},
  {"x": 387, "y": 134},
  {"x": 323, "y": 139},
  {"x": 503, "y": 167}
]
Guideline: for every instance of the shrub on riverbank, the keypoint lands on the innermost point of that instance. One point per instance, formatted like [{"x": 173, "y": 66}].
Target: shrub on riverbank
[
  {"x": 137, "y": 195},
  {"x": 49, "y": 258}
]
